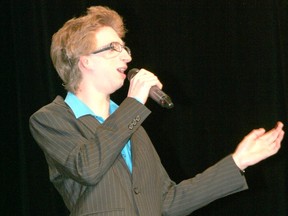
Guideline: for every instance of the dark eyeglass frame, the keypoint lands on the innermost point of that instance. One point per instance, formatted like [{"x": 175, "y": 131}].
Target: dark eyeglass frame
[{"x": 116, "y": 46}]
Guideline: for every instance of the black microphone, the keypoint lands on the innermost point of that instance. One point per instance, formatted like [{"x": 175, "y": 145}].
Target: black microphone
[{"x": 155, "y": 93}]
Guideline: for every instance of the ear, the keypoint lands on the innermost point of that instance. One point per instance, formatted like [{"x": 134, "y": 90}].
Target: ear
[{"x": 84, "y": 63}]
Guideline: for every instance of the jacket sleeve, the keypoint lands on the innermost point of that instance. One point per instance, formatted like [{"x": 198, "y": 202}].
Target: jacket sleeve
[
  {"x": 220, "y": 180},
  {"x": 83, "y": 149}
]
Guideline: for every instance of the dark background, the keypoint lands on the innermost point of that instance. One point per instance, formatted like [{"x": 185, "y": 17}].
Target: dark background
[{"x": 224, "y": 64}]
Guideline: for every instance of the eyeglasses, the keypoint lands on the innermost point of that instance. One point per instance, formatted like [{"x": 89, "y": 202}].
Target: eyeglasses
[{"x": 115, "y": 48}]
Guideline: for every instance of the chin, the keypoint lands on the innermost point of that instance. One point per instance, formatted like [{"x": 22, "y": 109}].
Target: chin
[{"x": 117, "y": 88}]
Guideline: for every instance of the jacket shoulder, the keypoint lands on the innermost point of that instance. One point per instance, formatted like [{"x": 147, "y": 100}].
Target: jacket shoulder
[{"x": 56, "y": 107}]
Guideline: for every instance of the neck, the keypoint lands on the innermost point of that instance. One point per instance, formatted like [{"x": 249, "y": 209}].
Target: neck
[{"x": 97, "y": 102}]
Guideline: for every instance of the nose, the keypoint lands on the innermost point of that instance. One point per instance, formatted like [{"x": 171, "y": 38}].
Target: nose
[{"x": 125, "y": 56}]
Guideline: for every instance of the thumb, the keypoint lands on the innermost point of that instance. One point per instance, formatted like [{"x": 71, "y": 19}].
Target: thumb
[{"x": 255, "y": 134}]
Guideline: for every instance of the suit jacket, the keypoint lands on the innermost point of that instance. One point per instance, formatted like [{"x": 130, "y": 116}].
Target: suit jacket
[{"x": 86, "y": 166}]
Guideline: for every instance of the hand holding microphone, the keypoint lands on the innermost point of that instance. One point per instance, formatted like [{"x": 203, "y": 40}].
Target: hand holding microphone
[{"x": 147, "y": 84}]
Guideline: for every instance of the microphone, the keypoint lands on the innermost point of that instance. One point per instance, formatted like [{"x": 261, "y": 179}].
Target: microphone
[{"x": 155, "y": 93}]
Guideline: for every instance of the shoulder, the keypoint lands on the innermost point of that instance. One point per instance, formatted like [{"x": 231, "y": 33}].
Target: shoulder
[{"x": 56, "y": 108}]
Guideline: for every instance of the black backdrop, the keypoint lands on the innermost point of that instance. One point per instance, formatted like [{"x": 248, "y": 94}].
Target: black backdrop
[{"x": 224, "y": 63}]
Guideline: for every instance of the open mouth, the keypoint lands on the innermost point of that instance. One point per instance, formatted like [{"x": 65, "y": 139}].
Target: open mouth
[{"x": 122, "y": 69}]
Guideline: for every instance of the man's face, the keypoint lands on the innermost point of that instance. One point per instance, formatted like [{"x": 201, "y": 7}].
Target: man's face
[{"x": 108, "y": 67}]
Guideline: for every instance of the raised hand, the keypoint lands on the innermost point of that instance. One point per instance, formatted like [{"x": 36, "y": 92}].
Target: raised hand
[
  {"x": 141, "y": 83},
  {"x": 258, "y": 145}
]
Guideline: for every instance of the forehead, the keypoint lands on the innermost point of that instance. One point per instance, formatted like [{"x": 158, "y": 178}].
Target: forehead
[{"x": 106, "y": 35}]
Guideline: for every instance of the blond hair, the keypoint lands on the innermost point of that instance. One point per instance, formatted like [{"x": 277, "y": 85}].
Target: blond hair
[{"x": 77, "y": 38}]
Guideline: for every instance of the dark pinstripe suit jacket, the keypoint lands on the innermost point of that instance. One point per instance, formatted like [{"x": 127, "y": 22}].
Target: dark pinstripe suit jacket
[{"x": 86, "y": 166}]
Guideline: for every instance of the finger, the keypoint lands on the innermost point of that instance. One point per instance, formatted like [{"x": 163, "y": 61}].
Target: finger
[
  {"x": 255, "y": 134},
  {"x": 139, "y": 74},
  {"x": 144, "y": 72},
  {"x": 280, "y": 137},
  {"x": 275, "y": 146},
  {"x": 148, "y": 78},
  {"x": 279, "y": 125},
  {"x": 272, "y": 135},
  {"x": 277, "y": 141}
]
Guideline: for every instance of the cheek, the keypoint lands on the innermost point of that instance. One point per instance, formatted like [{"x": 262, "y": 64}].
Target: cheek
[
  {"x": 105, "y": 70},
  {"x": 103, "y": 65},
  {"x": 102, "y": 77}
]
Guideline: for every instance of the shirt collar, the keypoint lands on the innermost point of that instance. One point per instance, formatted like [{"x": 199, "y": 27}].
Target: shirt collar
[{"x": 80, "y": 109}]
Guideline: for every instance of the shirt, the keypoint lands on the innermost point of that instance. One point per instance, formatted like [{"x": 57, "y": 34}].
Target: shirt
[{"x": 80, "y": 109}]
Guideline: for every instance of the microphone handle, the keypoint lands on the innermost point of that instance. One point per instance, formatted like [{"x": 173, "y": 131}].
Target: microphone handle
[{"x": 160, "y": 97}]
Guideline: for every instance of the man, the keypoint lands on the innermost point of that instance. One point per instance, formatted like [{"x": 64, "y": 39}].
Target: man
[{"x": 100, "y": 158}]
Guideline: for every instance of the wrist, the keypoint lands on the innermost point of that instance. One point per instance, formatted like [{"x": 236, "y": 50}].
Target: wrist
[{"x": 239, "y": 163}]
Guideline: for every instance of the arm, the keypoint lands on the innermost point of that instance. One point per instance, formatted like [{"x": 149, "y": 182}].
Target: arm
[
  {"x": 83, "y": 149},
  {"x": 256, "y": 146},
  {"x": 220, "y": 180},
  {"x": 224, "y": 178}
]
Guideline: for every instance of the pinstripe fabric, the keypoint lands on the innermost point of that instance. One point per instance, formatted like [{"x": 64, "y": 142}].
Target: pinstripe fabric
[{"x": 86, "y": 167}]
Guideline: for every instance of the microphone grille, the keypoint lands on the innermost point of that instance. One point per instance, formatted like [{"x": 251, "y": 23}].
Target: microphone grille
[{"x": 132, "y": 73}]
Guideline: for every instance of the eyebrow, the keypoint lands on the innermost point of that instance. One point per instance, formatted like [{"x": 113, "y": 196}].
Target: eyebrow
[{"x": 107, "y": 45}]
